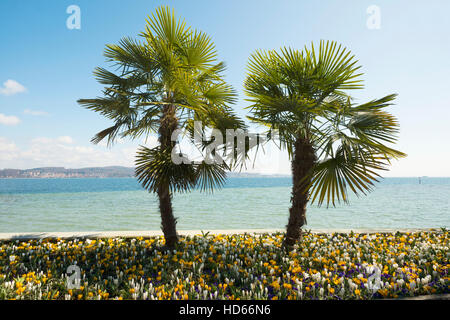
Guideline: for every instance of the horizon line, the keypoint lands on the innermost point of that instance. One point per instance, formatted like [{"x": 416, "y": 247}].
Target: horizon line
[{"x": 250, "y": 173}]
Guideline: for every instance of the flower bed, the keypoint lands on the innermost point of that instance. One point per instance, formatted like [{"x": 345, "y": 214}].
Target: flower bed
[{"x": 323, "y": 266}]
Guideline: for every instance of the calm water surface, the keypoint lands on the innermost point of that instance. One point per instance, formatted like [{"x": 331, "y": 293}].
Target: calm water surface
[{"x": 33, "y": 205}]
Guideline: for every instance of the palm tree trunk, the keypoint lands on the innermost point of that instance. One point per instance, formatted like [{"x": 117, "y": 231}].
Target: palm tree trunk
[
  {"x": 168, "y": 221},
  {"x": 303, "y": 161},
  {"x": 168, "y": 124}
]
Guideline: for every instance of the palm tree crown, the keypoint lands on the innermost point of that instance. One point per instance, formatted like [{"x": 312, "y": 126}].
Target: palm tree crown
[
  {"x": 166, "y": 82},
  {"x": 333, "y": 143}
]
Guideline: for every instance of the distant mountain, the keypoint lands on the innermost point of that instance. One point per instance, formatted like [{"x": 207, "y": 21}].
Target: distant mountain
[
  {"x": 60, "y": 172},
  {"x": 95, "y": 172}
]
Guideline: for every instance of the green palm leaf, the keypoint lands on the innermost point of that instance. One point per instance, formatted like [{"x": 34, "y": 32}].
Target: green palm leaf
[
  {"x": 155, "y": 168},
  {"x": 334, "y": 145},
  {"x": 171, "y": 72}
]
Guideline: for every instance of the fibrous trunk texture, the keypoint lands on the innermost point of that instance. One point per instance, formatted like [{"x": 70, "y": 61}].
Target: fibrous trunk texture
[
  {"x": 303, "y": 161},
  {"x": 168, "y": 124}
]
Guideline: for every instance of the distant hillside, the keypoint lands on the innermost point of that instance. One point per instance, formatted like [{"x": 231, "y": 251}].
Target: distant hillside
[
  {"x": 95, "y": 172},
  {"x": 60, "y": 172}
]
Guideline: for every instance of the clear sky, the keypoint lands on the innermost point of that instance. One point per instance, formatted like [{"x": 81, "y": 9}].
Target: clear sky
[{"x": 45, "y": 67}]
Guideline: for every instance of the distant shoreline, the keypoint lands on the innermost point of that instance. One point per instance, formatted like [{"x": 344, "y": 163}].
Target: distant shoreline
[
  {"x": 61, "y": 172},
  {"x": 94, "y": 172},
  {"x": 123, "y": 172}
]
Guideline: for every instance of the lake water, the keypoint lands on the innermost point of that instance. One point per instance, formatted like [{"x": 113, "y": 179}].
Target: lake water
[{"x": 35, "y": 205}]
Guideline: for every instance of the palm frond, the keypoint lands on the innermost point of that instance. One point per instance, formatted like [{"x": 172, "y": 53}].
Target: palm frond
[
  {"x": 110, "y": 107},
  {"x": 130, "y": 53},
  {"x": 303, "y": 95},
  {"x": 332, "y": 176},
  {"x": 155, "y": 168},
  {"x": 163, "y": 25},
  {"x": 210, "y": 176},
  {"x": 172, "y": 66},
  {"x": 199, "y": 51},
  {"x": 110, "y": 132}
]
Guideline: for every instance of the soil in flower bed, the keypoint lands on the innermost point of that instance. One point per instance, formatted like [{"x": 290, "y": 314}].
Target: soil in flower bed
[{"x": 322, "y": 266}]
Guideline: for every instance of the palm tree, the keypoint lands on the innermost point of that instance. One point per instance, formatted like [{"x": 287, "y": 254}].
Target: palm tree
[
  {"x": 165, "y": 83},
  {"x": 333, "y": 143}
]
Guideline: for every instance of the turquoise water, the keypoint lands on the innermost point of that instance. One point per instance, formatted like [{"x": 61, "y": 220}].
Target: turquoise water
[{"x": 34, "y": 205}]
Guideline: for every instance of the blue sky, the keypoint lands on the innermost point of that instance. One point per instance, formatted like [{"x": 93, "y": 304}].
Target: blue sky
[{"x": 45, "y": 67}]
